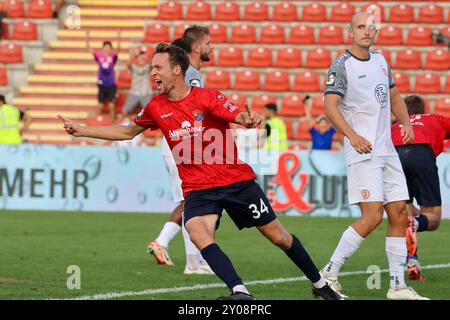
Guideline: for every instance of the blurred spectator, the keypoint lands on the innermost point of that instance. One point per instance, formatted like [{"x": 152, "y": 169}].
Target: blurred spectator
[
  {"x": 106, "y": 60},
  {"x": 276, "y": 136},
  {"x": 141, "y": 91},
  {"x": 10, "y": 118},
  {"x": 322, "y": 137},
  {"x": 321, "y": 131},
  {"x": 2, "y": 16},
  {"x": 58, "y": 5}
]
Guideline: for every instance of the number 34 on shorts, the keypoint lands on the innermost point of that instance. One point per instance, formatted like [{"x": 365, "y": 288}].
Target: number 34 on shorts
[{"x": 257, "y": 210}]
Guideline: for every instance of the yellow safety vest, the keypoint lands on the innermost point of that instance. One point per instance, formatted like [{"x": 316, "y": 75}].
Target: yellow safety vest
[
  {"x": 278, "y": 136},
  {"x": 9, "y": 125}
]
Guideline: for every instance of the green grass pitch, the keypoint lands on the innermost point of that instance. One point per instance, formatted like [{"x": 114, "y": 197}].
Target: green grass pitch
[{"x": 37, "y": 247}]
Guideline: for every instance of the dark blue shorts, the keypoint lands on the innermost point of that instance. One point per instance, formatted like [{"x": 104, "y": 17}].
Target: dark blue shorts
[
  {"x": 245, "y": 202},
  {"x": 421, "y": 172}
]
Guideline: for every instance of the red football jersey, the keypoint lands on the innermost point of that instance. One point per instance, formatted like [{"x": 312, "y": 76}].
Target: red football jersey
[
  {"x": 428, "y": 129},
  {"x": 198, "y": 132}
]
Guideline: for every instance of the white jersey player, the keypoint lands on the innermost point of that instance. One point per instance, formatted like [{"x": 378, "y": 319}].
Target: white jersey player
[{"x": 359, "y": 97}]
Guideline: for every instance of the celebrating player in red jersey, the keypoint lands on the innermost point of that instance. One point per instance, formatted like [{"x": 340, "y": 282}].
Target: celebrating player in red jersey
[
  {"x": 195, "y": 122},
  {"x": 419, "y": 165}
]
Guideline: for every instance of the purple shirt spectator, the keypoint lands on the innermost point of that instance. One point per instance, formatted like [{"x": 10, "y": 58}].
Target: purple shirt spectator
[{"x": 106, "y": 74}]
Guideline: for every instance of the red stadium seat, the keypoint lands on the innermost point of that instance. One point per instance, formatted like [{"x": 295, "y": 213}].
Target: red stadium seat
[
  {"x": 258, "y": 102},
  {"x": 243, "y": 33},
  {"x": 156, "y": 32},
  {"x": 10, "y": 53},
  {"x": 431, "y": 13},
  {"x": 342, "y": 12},
  {"x": 40, "y": 9},
  {"x": 289, "y": 58},
  {"x": 438, "y": 60},
  {"x": 292, "y": 106},
  {"x": 442, "y": 106},
  {"x": 386, "y": 54},
  {"x": 428, "y": 83},
  {"x": 198, "y": 10},
  {"x": 289, "y": 129},
  {"x": 25, "y": 30},
  {"x": 100, "y": 120},
  {"x": 239, "y": 100},
  {"x": 307, "y": 81},
  {"x": 401, "y": 13},
  {"x": 227, "y": 11},
  {"x": 256, "y": 11},
  {"x": 178, "y": 31},
  {"x": 447, "y": 85},
  {"x": 391, "y": 35},
  {"x": 230, "y": 57},
  {"x": 121, "y": 98},
  {"x": 218, "y": 33},
  {"x": 314, "y": 12},
  {"x": 408, "y": 59},
  {"x": 14, "y": 8},
  {"x": 171, "y": 10},
  {"x": 301, "y": 35},
  {"x": 402, "y": 82},
  {"x": 375, "y": 9},
  {"x": 419, "y": 36},
  {"x": 445, "y": 31},
  {"x": 317, "y": 106},
  {"x": 3, "y": 77},
  {"x": 276, "y": 81},
  {"x": 285, "y": 11},
  {"x": 259, "y": 57},
  {"x": 246, "y": 80},
  {"x": 124, "y": 79},
  {"x": 272, "y": 34},
  {"x": 303, "y": 130},
  {"x": 318, "y": 58},
  {"x": 218, "y": 79},
  {"x": 330, "y": 34}
]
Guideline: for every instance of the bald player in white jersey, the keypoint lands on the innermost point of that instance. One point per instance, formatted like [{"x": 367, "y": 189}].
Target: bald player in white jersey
[
  {"x": 359, "y": 96},
  {"x": 196, "y": 41}
]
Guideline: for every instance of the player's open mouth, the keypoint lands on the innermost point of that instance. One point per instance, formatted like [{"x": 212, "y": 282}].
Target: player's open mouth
[{"x": 158, "y": 83}]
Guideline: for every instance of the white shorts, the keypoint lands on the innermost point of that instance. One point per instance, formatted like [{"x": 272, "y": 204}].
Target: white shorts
[
  {"x": 377, "y": 179},
  {"x": 175, "y": 181}
]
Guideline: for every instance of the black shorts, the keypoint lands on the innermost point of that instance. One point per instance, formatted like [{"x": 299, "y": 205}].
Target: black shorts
[
  {"x": 106, "y": 94},
  {"x": 421, "y": 172},
  {"x": 245, "y": 203}
]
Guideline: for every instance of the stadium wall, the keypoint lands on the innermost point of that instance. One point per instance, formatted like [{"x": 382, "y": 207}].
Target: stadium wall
[{"x": 117, "y": 179}]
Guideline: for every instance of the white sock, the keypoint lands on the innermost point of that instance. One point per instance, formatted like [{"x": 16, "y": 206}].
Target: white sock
[
  {"x": 415, "y": 224},
  {"x": 396, "y": 253},
  {"x": 168, "y": 232},
  {"x": 193, "y": 255},
  {"x": 319, "y": 284},
  {"x": 240, "y": 288},
  {"x": 349, "y": 243}
]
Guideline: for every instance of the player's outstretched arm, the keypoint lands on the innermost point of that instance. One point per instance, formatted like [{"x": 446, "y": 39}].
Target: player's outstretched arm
[
  {"x": 400, "y": 111},
  {"x": 358, "y": 142},
  {"x": 101, "y": 132}
]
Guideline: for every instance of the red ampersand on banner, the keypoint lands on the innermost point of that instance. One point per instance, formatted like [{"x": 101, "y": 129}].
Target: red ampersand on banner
[{"x": 285, "y": 179}]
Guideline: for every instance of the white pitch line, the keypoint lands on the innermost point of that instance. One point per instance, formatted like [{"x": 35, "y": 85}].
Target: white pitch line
[{"x": 149, "y": 292}]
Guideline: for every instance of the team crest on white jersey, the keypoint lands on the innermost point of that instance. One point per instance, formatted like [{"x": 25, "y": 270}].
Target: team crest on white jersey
[{"x": 381, "y": 94}]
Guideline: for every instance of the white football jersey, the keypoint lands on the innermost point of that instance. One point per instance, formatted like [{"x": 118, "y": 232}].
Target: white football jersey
[{"x": 364, "y": 87}]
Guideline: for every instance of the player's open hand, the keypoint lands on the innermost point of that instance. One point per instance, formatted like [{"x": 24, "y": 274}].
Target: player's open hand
[
  {"x": 360, "y": 144},
  {"x": 407, "y": 133},
  {"x": 71, "y": 127}
]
